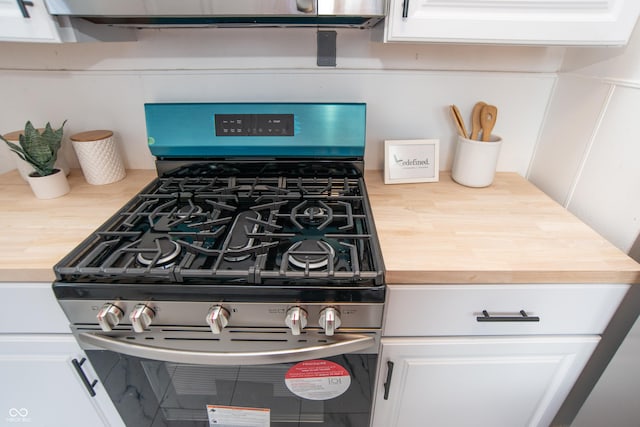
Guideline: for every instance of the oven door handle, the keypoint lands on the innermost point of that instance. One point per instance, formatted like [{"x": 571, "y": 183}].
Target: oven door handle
[{"x": 344, "y": 343}]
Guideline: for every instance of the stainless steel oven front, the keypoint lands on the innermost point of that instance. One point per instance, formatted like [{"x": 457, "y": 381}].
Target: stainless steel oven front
[
  {"x": 183, "y": 375},
  {"x": 244, "y": 286}
]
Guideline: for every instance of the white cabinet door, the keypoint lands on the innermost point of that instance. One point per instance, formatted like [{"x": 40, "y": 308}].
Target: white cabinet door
[
  {"x": 40, "y": 386},
  {"x": 476, "y": 381},
  {"x": 37, "y": 26},
  {"x": 553, "y": 22}
]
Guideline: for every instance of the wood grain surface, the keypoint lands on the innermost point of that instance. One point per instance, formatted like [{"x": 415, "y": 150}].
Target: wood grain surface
[
  {"x": 38, "y": 233},
  {"x": 509, "y": 232},
  {"x": 440, "y": 232}
]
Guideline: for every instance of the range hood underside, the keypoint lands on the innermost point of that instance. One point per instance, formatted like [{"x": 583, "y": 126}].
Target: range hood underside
[
  {"x": 223, "y": 13},
  {"x": 234, "y": 22}
]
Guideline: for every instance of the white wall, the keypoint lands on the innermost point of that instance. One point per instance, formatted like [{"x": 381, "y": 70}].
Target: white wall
[{"x": 407, "y": 87}]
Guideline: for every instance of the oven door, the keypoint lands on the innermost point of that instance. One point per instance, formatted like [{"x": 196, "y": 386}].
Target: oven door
[{"x": 161, "y": 390}]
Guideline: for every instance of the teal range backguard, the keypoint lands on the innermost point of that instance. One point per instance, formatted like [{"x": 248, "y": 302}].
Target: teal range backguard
[{"x": 278, "y": 130}]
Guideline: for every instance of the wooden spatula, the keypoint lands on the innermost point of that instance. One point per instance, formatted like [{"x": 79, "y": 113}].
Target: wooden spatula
[
  {"x": 475, "y": 120},
  {"x": 488, "y": 116},
  {"x": 457, "y": 119}
]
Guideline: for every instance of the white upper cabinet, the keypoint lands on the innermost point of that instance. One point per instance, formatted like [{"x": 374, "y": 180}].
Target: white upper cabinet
[
  {"x": 22, "y": 21},
  {"x": 30, "y": 21},
  {"x": 524, "y": 22}
]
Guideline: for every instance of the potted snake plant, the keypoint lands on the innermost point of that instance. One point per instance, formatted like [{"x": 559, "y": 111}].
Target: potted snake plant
[{"x": 40, "y": 150}]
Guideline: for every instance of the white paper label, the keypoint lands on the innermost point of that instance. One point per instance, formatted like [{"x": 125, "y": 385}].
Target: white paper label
[
  {"x": 317, "y": 379},
  {"x": 234, "y": 416}
]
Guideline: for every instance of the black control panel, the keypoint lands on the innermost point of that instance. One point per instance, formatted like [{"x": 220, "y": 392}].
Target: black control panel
[{"x": 254, "y": 124}]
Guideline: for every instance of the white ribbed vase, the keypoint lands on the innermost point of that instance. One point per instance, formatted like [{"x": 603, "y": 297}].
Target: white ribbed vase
[{"x": 99, "y": 157}]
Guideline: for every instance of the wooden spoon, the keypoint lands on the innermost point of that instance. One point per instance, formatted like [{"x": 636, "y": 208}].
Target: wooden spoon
[
  {"x": 488, "y": 116},
  {"x": 475, "y": 120},
  {"x": 457, "y": 118}
]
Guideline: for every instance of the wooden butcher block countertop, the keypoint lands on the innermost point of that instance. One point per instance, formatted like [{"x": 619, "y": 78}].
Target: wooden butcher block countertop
[
  {"x": 38, "y": 233},
  {"x": 430, "y": 233},
  {"x": 509, "y": 232}
]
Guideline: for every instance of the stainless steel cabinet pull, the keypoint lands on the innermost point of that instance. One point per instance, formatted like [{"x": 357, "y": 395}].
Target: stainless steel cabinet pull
[
  {"x": 522, "y": 318},
  {"x": 343, "y": 344},
  {"x": 89, "y": 385},
  {"x": 405, "y": 9},
  {"x": 387, "y": 383},
  {"x": 22, "y": 4}
]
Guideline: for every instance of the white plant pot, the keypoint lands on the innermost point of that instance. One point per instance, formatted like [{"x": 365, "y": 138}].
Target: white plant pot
[{"x": 50, "y": 186}]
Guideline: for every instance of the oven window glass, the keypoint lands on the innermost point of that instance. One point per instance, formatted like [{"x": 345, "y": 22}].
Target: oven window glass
[{"x": 154, "y": 393}]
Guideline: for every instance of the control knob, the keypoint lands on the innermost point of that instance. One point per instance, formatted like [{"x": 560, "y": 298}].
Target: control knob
[
  {"x": 217, "y": 318},
  {"x": 296, "y": 320},
  {"x": 109, "y": 316},
  {"x": 329, "y": 320},
  {"x": 141, "y": 317}
]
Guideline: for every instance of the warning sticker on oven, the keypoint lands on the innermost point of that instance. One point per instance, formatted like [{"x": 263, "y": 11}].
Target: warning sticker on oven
[
  {"x": 221, "y": 416},
  {"x": 317, "y": 379}
]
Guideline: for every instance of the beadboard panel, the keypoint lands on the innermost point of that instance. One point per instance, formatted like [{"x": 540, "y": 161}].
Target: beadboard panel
[
  {"x": 400, "y": 104},
  {"x": 607, "y": 194},
  {"x": 589, "y": 168},
  {"x": 563, "y": 145}
]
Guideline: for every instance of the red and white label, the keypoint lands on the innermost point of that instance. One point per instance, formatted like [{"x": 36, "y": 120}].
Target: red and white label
[{"x": 317, "y": 379}]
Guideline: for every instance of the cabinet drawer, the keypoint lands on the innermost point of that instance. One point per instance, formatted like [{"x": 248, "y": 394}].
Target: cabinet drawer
[
  {"x": 30, "y": 308},
  {"x": 438, "y": 310}
]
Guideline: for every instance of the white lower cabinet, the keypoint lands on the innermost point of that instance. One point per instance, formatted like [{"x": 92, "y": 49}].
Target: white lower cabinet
[
  {"x": 42, "y": 387},
  {"x": 482, "y": 381},
  {"x": 45, "y": 380},
  {"x": 486, "y": 355}
]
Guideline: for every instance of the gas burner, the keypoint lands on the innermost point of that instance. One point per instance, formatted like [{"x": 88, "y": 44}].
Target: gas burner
[
  {"x": 166, "y": 251},
  {"x": 314, "y": 215},
  {"x": 318, "y": 214},
  {"x": 313, "y": 254},
  {"x": 188, "y": 211}
]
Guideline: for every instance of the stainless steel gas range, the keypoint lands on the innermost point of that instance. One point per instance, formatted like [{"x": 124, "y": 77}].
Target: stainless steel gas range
[{"x": 247, "y": 275}]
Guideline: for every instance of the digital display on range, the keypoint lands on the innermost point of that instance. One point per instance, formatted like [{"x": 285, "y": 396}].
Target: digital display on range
[{"x": 254, "y": 124}]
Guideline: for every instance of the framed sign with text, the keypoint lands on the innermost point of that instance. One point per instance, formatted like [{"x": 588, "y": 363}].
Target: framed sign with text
[{"x": 414, "y": 160}]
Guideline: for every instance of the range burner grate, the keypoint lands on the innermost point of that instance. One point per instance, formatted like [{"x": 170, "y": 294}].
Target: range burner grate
[{"x": 236, "y": 229}]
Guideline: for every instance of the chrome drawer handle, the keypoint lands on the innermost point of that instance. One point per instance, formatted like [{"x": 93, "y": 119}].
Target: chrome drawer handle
[{"x": 524, "y": 317}]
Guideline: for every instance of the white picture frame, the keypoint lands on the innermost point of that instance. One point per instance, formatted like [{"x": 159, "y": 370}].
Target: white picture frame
[{"x": 411, "y": 160}]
